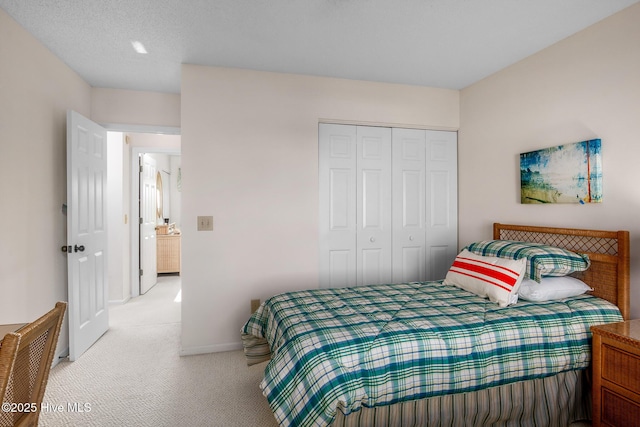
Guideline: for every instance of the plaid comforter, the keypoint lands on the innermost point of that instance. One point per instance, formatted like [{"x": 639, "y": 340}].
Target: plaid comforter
[{"x": 339, "y": 349}]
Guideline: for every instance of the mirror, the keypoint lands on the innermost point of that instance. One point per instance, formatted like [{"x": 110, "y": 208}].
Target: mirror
[{"x": 159, "y": 203}]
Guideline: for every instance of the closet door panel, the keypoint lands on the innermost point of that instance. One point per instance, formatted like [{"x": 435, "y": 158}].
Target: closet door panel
[
  {"x": 442, "y": 211},
  {"x": 340, "y": 270},
  {"x": 412, "y": 264},
  {"x": 373, "y": 266},
  {"x": 412, "y": 194},
  {"x": 440, "y": 205},
  {"x": 439, "y": 261},
  {"x": 340, "y": 183},
  {"x": 337, "y": 217},
  {"x": 408, "y": 205},
  {"x": 373, "y": 205}
]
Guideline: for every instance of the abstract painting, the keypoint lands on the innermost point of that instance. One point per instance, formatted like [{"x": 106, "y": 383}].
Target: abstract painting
[{"x": 570, "y": 173}]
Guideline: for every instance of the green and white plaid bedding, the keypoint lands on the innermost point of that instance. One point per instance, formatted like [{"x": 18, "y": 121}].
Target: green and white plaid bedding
[
  {"x": 542, "y": 260},
  {"x": 344, "y": 348}
]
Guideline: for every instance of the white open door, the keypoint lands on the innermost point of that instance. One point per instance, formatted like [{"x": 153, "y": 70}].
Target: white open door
[
  {"x": 148, "y": 219},
  {"x": 86, "y": 233}
]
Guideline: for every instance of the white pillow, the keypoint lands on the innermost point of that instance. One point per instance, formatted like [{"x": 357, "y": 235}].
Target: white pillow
[
  {"x": 552, "y": 288},
  {"x": 496, "y": 278}
]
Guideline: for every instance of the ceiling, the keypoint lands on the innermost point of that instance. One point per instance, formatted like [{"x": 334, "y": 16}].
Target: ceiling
[{"x": 438, "y": 43}]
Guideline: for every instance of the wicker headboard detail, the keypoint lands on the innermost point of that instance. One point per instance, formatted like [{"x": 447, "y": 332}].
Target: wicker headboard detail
[{"x": 607, "y": 250}]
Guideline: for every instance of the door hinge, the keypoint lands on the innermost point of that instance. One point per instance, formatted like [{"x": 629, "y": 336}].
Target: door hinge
[
  {"x": 141, "y": 272},
  {"x": 141, "y": 168},
  {"x": 140, "y": 220}
]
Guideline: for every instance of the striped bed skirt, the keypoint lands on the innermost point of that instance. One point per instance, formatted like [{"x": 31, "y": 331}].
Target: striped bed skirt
[{"x": 554, "y": 401}]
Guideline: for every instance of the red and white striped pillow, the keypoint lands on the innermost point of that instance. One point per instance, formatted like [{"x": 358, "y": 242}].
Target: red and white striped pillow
[{"x": 492, "y": 277}]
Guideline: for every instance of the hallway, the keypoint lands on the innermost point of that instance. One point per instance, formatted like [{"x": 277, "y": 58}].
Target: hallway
[
  {"x": 134, "y": 375},
  {"x": 157, "y": 306}
]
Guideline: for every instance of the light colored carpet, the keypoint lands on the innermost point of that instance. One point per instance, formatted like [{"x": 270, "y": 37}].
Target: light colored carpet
[{"x": 133, "y": 376}]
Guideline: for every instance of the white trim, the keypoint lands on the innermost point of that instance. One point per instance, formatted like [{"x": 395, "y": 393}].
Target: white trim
[
  {"x": 62, "y": 354},
  {"x": 216, "y": 348},
  {"x": 114, "y": 302},
  {"x": 386, "y": 124},
  {"x": 165, "y": 130}
]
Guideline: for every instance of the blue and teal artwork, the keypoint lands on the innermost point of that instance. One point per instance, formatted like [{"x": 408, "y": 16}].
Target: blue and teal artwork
[{"x": 570, "y": 173}]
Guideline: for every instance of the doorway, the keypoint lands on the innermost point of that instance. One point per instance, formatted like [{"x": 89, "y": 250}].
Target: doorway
[
  {"x": 124, "y": 215},
  {"x": 174, "y": 190},
  {"x": 160, "y": 221}
]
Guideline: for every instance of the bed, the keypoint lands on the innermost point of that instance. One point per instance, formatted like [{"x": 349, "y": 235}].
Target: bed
[{"x": 434, "y": 354}]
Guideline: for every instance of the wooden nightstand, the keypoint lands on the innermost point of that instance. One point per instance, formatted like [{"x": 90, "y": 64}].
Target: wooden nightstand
[{"x": 616, "y": 374}]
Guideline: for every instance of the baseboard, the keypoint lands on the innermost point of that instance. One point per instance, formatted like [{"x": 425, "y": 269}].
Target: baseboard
[
  {"x": 62, "y": 354},
  {"x": 216, "y": 348},
  {"x": 113, "y": 302}
]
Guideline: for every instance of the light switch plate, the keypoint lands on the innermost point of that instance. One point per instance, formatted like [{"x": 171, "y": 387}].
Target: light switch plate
[{"x": 205, "y": 223}]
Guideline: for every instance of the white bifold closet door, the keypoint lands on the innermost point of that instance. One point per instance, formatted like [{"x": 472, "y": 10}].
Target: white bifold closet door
[
  {"x": 377, "y": 188},
  {"x": 355, "y": 194},
  {"x": 425, "y": 204},
  {"x": 373, "y": 205},
  {"x": 409, "y": 205}
]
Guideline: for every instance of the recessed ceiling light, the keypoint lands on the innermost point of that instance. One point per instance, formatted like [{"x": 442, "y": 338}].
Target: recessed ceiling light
[{"x": 139, "y": 47}]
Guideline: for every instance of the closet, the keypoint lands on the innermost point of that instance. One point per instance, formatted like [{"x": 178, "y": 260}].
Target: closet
[{"x": 388, "y": 204}]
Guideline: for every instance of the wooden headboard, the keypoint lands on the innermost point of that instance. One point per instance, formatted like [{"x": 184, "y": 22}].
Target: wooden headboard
[{"x": 608, "y": 251}]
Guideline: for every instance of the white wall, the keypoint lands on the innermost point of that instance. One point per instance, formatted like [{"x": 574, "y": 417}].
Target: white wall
[
  {"x": 36, "y": 89},
  {"x": 250, "y": 159},
  {"x": 118, "y": 277},
  {"x": 585, "y": 87},
  {"x": 130, "y": 107}
]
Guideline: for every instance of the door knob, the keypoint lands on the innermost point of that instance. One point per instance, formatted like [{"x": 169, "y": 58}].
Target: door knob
[
  {"x": 411, "y": 238},
  {"x": 77, "y": 248},
  {"x": 373, "y": 239}
]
